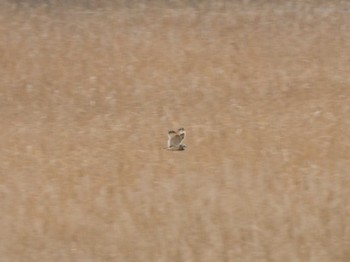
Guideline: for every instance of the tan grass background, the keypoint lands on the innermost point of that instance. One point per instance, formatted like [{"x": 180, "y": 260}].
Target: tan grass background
[{"x": 89, "y": 91}]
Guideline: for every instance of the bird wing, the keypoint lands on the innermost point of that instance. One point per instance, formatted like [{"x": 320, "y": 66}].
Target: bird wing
[
  {"x": 171, "y": 135},
  {"x": 182, "y": 137}
]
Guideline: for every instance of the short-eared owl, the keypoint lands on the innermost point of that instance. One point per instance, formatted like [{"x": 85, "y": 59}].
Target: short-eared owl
[{"x": 175, "y": 140}]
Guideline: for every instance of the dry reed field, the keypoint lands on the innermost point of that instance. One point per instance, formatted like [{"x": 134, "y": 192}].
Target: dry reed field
[{"x": 89, "y": 90}]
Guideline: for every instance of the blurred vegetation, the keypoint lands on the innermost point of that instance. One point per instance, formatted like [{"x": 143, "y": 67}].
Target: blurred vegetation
[{"x": 89, "y": 89}]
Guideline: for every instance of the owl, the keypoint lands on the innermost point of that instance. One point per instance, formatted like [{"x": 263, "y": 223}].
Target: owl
[{"x": 175, "y": 140}]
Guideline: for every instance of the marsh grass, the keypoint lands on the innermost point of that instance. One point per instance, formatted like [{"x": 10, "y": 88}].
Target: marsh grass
[{"x": 88, "y": 93}]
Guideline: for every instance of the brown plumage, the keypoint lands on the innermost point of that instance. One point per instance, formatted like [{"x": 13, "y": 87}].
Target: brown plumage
[{"x": 175, "y": 140}]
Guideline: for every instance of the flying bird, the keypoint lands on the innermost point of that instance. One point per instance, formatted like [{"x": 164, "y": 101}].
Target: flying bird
[{"x": 175, "y": 140}]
